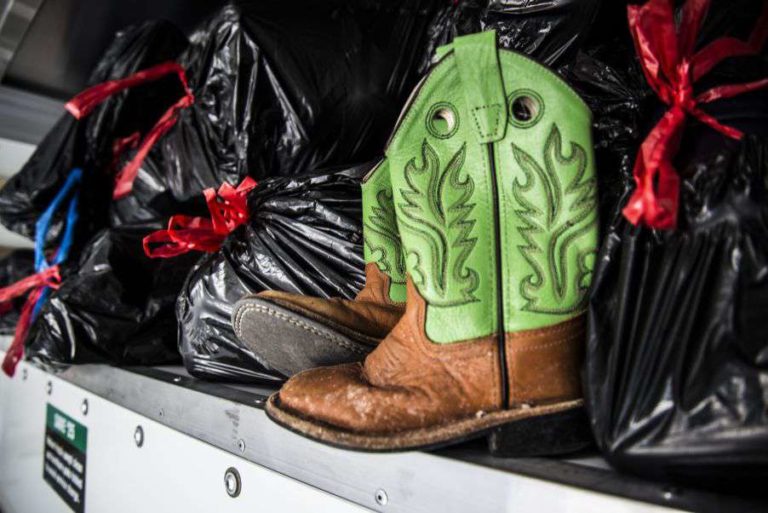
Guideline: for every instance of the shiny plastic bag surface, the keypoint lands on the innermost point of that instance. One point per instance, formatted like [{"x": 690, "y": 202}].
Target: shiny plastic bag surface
[
  {"x": 275, "y": 94},
  {"x": 114, "y": 305},
  {"x": 283, "y": 88},
  {"x": 677, "y": 360},
  {"x": 303, "y": 236},
  {"x": 13, "y": 267},
  {"x": 676, "y": 365},
  {"x": 88, "y": 143},
  {"x": 550, "y": 31},
  {"x": 606, "y": 74}
]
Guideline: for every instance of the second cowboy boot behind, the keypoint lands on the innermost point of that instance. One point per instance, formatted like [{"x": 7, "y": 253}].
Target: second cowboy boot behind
[{"x": 492, "y": 174}]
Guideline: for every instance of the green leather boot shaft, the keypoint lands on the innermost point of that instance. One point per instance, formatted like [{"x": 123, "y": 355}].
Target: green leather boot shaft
[
  {"x": 382, "y": 244},
  {"x": 458, "y": 178}
]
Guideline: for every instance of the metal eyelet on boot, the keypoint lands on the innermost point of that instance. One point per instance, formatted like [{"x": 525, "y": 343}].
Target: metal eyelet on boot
[
  {"x": 442, "y": 120},
  {"x": 525, "y": 108}
]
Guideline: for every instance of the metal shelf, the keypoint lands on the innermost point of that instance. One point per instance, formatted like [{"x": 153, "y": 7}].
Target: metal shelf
[{"x": 463, "y": 478}]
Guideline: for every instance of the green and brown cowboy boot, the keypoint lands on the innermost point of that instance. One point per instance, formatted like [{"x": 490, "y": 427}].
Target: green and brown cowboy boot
[
  {"x": 291, "y": 332},
  {"x": 492, "y": 170}
]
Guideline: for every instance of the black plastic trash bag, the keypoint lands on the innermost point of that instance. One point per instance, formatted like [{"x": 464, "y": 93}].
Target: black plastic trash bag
[
  {"x": 677, "y": 360},
  {"x": 611, "y": 82},
  {"x": 88, "y": 143},
  {"x": 281, "y": 94},
  {"x": 550, "y": 31},
  {"x": 275, "y": 94},
  {"x": 676, "y": 374},
  {"x": 283, "y": 88},
  {"x": 13, "y": 267},
  {"x": 606, "y": 74},
  {"x": 114, "y": 305},
  {"x": 303, "y": 236}
]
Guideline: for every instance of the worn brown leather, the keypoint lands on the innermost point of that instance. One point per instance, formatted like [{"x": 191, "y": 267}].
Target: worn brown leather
[
  {"x": 371, "y": 313},
  {"x": 544, "y": 365},
  {"x": 376, "y": 288},
  {"x": 409, "y": 382}
]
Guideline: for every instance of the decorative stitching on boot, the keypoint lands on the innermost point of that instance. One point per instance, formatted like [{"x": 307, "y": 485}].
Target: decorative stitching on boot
[
  {"x": 547, "y": 331},
  {"x": 440, "y": 226},
  {"x": 306, "y": 327},
  {"x": 492, "y": 130},
  {"x": 380, "y": 222},
  {"x": 551, "y": 232},
  {"x": 576, "y": 337}
]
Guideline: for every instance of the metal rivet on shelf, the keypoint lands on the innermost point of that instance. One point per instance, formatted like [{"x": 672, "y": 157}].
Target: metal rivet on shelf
[
  {"x": 669, "y": 493},
  {"x": 49, "y": 388},
  {"x": 241, "y": 445},
  {"x": 138, "y": 436},
  {"x": 24, "y": 374},
  {"x": 381, "y": 497},
  {"x": 84, "y": 407},
  {"x": 232, "y": 482}
]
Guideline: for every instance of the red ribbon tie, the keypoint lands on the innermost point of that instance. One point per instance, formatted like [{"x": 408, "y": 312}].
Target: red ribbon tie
[
  {"x": 671, "y": 68},
  {"x": 228, "y": 208},
  {"x": 82, "y": 104},
  {"x": 36, "y": 283}
]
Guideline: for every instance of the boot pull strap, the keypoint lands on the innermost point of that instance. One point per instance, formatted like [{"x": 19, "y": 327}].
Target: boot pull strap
[{"x": 477, "y": 61}]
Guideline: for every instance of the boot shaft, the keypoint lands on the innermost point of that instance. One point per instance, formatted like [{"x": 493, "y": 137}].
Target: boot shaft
[
  {"x": 492, "y": 177},
  {"x": 382, "y": 249}
]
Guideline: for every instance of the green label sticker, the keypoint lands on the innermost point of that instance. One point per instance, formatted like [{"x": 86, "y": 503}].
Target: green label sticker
[{"x": 66, "y": 442}]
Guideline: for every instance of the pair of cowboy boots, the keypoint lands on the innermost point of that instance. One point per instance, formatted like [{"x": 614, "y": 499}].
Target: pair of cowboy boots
[{"x": 482, "y": 218}]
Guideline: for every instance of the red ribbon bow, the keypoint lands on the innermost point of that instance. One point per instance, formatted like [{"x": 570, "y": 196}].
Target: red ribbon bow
[
  {"x": 229, "y": 209},
  {"x": 82, "y": 104},
  {"x": 36, "y": 283},
  {"x": 671, "y": 68}
]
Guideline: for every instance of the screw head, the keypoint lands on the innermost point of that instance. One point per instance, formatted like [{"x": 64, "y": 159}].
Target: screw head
[
  {"x": 177, "y": 379},
  {"x": 161, "y": 412},
  {"x": 381, "y": 497},
  {"x": 84, "y": 407},
  {"x": 669, "y": 493},
  {"x": 24, "y": 374},
  {"x": 138, "y": 436},
  {"x": 49, "y": 388},
  {"x": 241, "y": 445},
  {"x": 232, "y": 482}
]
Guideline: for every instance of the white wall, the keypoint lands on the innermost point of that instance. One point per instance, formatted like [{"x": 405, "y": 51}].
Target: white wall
[{"x": 13, "y": 155}]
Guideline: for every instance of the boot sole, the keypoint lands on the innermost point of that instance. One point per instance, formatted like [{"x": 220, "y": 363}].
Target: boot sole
[
  {"x": 290, "y": 342},
  {"x": 552, "y": 429}
]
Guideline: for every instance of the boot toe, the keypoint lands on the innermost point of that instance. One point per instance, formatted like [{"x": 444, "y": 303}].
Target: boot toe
[{"x": 340, "y": 396}]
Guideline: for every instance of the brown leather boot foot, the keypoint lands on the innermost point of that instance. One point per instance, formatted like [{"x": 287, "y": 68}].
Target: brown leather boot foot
[
  {"x": 545, "y": 430},
  {"x": 414, "y": 394}
]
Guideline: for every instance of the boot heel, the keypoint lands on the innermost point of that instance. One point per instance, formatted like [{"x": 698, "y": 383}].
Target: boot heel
[{"x": 556, "y": 433}]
